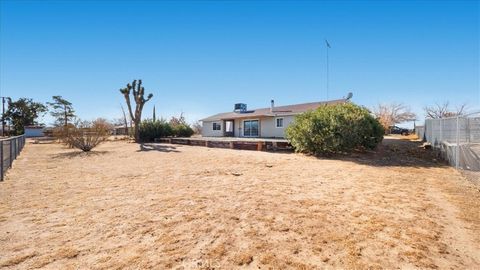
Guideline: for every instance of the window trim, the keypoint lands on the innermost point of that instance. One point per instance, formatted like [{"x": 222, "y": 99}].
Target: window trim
[
  {"x": 243, "y": 127},
  {"x": 276, "y": 122},
  {"x": 216, "y": 124}
]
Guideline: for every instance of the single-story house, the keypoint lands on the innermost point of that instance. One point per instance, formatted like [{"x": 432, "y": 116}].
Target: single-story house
[
  {"x": 265, "y": 122},
  {"x": 121, "y": 130},
  {"x": 34, "y": 131}
]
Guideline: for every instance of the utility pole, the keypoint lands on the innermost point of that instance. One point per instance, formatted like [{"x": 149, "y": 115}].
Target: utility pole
[
  {"x": 3, "y": 115},
  {"x": 327, "y": 47}
]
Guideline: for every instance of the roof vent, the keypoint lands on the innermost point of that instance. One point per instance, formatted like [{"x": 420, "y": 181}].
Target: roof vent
[{"x": 240, "y": 108}]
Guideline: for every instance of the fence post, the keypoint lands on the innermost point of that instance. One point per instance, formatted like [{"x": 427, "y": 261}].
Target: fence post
[
  {"x": 441, "y": 132},
  {"x": 10, "y": 155},
  {"x": 467, "y": 131},
  {"x": 457, "y": 150},
  {"x": 14, "y": 141},
  {"x": 1, "y": 160}
]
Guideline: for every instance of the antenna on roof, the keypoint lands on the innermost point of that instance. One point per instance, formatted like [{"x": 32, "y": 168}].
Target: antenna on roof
[{"x": 328, "y": 47}]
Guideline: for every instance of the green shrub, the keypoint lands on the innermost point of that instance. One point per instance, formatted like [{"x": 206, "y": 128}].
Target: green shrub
[
  {"x": 335, "y": 129},
  {"x": 149, "y": 130},
  {"x": 182, "y": 130}
]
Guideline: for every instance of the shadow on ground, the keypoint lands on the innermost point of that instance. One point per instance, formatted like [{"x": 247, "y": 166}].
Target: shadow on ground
[
  {"x": 69, "y": 155},
  {"x": 157, "y": 147},
  {"x": 398, "y": 152}
]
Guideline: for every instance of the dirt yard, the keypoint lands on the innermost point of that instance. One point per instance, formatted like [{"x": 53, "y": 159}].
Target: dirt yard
[{"x": 187, "y": 207}]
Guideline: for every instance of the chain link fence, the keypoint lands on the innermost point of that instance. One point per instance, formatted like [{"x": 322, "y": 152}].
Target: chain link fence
[
  {"x": 9, "y": 150},
  {"x": 457, "y": 138}
]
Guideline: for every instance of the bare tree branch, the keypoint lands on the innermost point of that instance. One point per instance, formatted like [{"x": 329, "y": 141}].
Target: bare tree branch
[
  {"x": 394, "y": 113},
  {"x": 443, "y": 110}
]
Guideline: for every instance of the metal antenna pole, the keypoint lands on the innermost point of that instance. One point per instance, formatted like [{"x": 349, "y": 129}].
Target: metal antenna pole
[
  {"x": 327, "y": 73},
  {"x": 328, "y": 86}
]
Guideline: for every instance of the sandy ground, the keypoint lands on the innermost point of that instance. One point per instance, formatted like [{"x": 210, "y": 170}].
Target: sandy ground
[{"x": 187, "y": 207}]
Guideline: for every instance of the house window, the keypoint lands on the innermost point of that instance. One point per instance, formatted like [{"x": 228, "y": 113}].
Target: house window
[
  {"x": 279, "y": 122},
  {"x": 217, "y": 126},
  {"x": 250, "y": 128}
]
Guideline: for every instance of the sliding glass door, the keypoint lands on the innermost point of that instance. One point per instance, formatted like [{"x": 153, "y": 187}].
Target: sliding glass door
[{"x": 250, "y": 128}]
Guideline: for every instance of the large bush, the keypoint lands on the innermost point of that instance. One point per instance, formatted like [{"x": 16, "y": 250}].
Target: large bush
[
  {"x": 180, "y": 127},
  {"x": 335, "y": 129},
  {"x": 182, "y": 130},
  {"x": 149, "y": 130}
]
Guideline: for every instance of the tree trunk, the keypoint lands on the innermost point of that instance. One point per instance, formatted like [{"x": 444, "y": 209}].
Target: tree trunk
[
  {"x": 65, "y": 110},
  {"x": 125, "y": 120},
  {"x": 136, "y": 132},
  {"x": 138, "y": 118}
]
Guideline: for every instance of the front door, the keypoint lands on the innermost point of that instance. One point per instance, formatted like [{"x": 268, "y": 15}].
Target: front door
[
  {"x": 250, "y": 128},
  {"x": 229, "y": 124}
]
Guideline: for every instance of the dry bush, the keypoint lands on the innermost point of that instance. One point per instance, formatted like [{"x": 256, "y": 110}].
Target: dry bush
[
  {"x": 84, "y": 135},
  {"x": 61, "y": 132}
]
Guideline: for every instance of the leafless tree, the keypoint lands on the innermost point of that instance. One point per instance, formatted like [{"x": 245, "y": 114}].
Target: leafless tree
[
  {"x": 118, "y": 121},
  {"x": 391, "y": 114},
  {"x": 175, "y": 121},
  {"x": 443, "y": 110},
  {"x": 197, "y": 127},
  {"x": 125, "y": 120}
]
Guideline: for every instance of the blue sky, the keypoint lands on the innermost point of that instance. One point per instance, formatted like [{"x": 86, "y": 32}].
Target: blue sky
[{"x": 202, "y": 57}]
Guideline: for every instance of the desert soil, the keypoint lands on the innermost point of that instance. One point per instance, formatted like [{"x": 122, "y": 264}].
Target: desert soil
[{"x": 187, "y": 207}]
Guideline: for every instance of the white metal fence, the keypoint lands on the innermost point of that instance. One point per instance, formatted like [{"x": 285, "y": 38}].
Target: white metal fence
[
  {"x": 458, "y": 139},
  {"x": 420, "y": 132},
  {"x": 9, "y": 150}
]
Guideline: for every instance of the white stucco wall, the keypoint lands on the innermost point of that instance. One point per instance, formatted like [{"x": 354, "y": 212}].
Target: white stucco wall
[
  {"x": 267, "y": 127},
  {"x": 207, "y": 129},
  {"x": 238, "y": 128}
]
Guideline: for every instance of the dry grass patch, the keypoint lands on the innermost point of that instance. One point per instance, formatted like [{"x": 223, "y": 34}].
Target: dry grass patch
[{"x": 203, "y": 208}]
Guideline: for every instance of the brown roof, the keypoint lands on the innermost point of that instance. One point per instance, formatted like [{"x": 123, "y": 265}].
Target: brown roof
[{"x": 277, "y": 111}]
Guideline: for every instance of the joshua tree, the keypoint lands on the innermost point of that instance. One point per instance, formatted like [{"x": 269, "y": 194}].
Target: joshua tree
[{"x": 138, "y": 92}]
